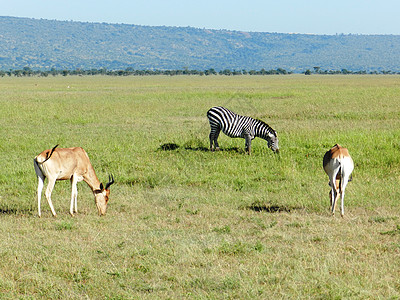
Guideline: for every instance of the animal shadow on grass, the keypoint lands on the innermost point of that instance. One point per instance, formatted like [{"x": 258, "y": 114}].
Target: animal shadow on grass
[
  {"x": 168, "y": 147},
  {"x": 205, "y": 149},
  {"x": 188, "y": 146},
  {"x": 261, "y": 207},
  {"x": 13, "y": 211}
]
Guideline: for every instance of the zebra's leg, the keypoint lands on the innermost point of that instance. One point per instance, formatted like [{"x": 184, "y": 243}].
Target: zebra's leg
[
  {"x": 214, "y": 139},
  {"x": 216, "y": 135},
  {"x": 211, "y": 141},
  {"x": 248, "y": 144}
]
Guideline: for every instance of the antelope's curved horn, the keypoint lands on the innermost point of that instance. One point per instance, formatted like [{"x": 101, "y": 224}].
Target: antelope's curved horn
[{"x": 110, "y": 181}]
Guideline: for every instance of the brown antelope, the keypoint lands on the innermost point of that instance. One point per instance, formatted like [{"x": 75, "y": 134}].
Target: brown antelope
[
  {"x": 72, "y": 164},
  {"x": 338, "y": 165}
]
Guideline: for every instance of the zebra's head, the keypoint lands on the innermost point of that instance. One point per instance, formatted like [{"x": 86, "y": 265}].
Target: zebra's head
[
  {"x": 272, "y": 139},
  {"x": 264, "y": 131}
]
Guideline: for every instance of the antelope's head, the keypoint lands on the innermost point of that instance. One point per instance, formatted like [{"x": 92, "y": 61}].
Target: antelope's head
[{"x": 102, "y": 195}]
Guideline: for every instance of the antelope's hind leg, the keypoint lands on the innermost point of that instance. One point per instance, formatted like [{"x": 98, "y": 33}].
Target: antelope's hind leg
[
  {"x": 49, "y": 189},
  {"x": 336, "y": 195},
  {"x": 74, "y": 196},
  {"x": 39, "y": 192},
  {"x": 40, "y": 177},
  {"x": 342, "y": 189},
  {"x": 334, "y": 183}
]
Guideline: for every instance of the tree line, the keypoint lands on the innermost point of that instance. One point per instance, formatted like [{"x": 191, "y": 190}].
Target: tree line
[
  {"x": 318, "y": 70},
  {"x": 132, "y": 72},
  {"x": 27, "y": 72}
]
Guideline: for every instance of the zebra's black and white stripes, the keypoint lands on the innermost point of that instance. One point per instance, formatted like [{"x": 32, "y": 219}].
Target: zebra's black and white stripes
[{"x": 234, "y": 125}]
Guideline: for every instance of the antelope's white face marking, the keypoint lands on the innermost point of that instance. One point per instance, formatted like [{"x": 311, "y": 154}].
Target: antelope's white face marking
[{"x": 101, "y": 199}]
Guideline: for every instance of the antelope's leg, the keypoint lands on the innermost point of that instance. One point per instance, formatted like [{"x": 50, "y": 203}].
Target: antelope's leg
[
  {"x": 49, "y": 189},
  {"x": 39, "y": 192},
  {"x": 334, "y": 192},
  {"x": 342, "y": 189},
  {"x": 74, "y": 196}
]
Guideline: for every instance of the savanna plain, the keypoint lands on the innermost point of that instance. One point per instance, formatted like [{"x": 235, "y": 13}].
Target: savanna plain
[{"x": 186, "y": 223}]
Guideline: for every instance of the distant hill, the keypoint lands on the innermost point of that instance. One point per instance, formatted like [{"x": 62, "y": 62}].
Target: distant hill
[{"x": 46, "y": 44}]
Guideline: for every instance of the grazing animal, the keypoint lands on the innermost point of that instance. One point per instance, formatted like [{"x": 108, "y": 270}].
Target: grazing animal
[
  {"x": 235, "y": 126},
  {"x": 72, "y": 164},
  {"x": 338, "y": 165}
]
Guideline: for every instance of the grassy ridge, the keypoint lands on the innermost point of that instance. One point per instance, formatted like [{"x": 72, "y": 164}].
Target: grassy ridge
[
  {"x": 188, "y": 222},
  {"x": 84, "y": 46}
]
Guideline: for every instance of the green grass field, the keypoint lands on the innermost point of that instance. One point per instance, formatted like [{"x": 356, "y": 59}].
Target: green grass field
[{"x": 189, "y": 223}]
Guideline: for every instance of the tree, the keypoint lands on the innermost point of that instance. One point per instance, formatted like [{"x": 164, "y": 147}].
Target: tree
[{"x": 281, "y": 71}]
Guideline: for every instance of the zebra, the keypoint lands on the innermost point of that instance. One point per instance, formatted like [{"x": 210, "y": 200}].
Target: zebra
[{"x": 234, "y": 126}]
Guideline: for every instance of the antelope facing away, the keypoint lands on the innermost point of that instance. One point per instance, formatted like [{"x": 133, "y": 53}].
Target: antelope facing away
[
  {"x": 72, "y": 164},
  {"x": 338, "y": 165}
]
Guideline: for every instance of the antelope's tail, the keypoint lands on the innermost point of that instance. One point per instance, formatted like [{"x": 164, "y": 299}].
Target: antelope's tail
[
  {"x": 40, "y": 159},
  {"x": 38, "y": 170}
]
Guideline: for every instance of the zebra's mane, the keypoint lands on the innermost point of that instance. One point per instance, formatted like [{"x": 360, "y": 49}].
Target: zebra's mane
[{"x": 269, "y": 128}]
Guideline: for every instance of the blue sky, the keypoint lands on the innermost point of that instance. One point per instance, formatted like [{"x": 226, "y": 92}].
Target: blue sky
[{"x": 283, "y": 16}]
